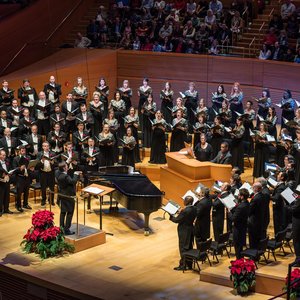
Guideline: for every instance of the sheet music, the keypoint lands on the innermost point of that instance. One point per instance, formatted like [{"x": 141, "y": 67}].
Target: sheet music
[
  {"x": 229, "y": 201},
  {"x": 272, "y": 181},
  {"x": 171, "y": 208},
  {"x": 289, "y": 195},
  {"x": 270, "y": 167},
  {"x": 93, "y": 190},
  {"x": 248, "y": 187},
  {"x": 270, "y": 138}
]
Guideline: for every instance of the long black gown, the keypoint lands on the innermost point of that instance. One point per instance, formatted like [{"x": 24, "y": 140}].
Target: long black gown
[
  {"x": 128, "y": 152},
  {"x": 143, "y": 96},
  {"x": 126, "y": 95},
  {"x": 236, "y": 104},
  {"x": 148, "y": 116},
  {"x": 104, "y": 92},
  {"x": 261, "y": 155},
  {"x": 114, "y": 128},
  {"x": 158, "y": 146},
  {"x": 217, "y": 139},
  {"x": 178, "y": 136},
  {"x": 217, "y": 100},
  {"x": 97, "y": 111},
  {"x": 191, "y": 100},
  {"x": 237, "y": 148},
  {"x": 248, "y": 124},
  {"x": 80, "y": 95},
  {"x": 198, "y": 130},
  {"x": 167, "y": 105},
  {"x": 119, "y": 110},
  {"x": 130, "y": 120},
  {"x": 106, "y": 151}
]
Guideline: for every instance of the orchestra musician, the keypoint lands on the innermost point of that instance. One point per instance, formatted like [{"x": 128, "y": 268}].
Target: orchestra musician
[
  {"x": 166, "y": 96},
  {"x": 203, "y": 150},
  {"x": 103, "y": 89},
  {"x": 158, "y": 145},
  {"x": 6, "y": 95},
  {"x": 223, "y": 157},
  {"x": 80, "y": 92}
]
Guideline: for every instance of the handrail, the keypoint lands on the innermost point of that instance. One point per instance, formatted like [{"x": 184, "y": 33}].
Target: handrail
[
  {"x": 252, "y": 42},
  {"x": 271, "y": 12},
  {"x": 63, "y": 21},
  {"x": 13, "y": 59},
  {"x": 261, "y": 27}
]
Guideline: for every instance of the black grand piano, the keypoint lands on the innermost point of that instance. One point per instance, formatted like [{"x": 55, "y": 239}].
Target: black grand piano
[{"x": 133, "y": 191}]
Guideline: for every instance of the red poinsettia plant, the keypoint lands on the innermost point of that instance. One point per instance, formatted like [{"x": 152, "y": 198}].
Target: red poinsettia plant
[
  {"x": 295, "y": 284},
  {"x": 242, "y": 273},
  {"x": 44, "y": 238}
]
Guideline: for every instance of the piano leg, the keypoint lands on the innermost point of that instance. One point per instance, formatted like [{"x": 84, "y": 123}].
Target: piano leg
[{"x": 146, "y": 229}]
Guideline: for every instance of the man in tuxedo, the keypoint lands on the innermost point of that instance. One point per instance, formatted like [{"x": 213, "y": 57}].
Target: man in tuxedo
[
  {"x": 52, "y": 90},
  {"x": 9, "y": 144},
  {"x": 278, "y": 202},
  {"x": 239, "y": 216},
  {"x": 202, "y": 223},
  {"x": 56, "y": 138},
  {"x": 70, "y": 109},
  {"x": 34, "y": 141},
  {"x": 265, "y": 206},
  {"x": 58, "y": 117},
  {"x": 25, "y": 123},
  {"x": 185, "y": 220},
  {"x": 23, "y": 178},
  {"x": 4, "y": 184},
  {"x": 43, "y": 110},
  {"x": 27, "y": 95},
  {"x": 6, "y": 95},
  {"x": 218, "y": 210},
  {"x": 255, "y": 220},
  {"x": 5, "y": 122},
  {"x": 85, "y": 117},
  {"x": 67, "y": 187},
  {"x": 223, "y": 157},
  {"x": 71, "y": 157},
  {"x": 80, "y": 138},
  {"x": 45, "y": 166}
]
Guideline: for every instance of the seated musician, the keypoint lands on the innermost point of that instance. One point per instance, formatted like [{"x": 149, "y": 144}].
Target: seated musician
[{"x": 224, "y": 156}]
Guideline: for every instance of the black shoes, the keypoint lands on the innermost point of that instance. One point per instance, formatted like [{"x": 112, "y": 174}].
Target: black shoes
[
  {"x": 8, "y": 212},
  {"x": 182, "y": 268},
  {"x": 20, "y": 209},
  {"x": 27, "y": 206},
  {"x": 69, "y": 232}
]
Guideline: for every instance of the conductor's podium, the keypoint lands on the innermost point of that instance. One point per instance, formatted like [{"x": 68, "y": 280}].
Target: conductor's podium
[{"x": 184, "y": 173}]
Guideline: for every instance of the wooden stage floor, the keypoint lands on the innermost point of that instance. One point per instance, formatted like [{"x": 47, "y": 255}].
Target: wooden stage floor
[{"x": 146, "y": 262}]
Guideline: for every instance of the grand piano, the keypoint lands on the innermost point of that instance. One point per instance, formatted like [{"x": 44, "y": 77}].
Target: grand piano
[{"x": 133, "y": 191}]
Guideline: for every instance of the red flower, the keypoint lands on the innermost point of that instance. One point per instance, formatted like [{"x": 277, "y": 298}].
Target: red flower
[
  {"x": 42, "y": 218},
  {"x": 50, "y": 233},
  {"x": 295, "y": 274}
]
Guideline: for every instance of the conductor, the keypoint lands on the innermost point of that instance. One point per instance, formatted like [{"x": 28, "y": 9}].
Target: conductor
[{"x": 67, "y": 187}]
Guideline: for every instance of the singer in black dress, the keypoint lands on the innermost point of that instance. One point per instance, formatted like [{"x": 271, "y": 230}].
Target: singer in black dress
[
  {"x": 218, "y": 97},
  {"x": 103, "y": 89},
  {"x": 106, "y": 145},
  {"x": 236, "y": 101},
  {"x": 199, "y": 128},
  {"x": 179, "y": 132},
  {"x": 166, "y": 96},
  {"x": 128, "y": 148},
  {"x": 148, "y": 111},
  {"x": 217, "y": 135},
  {"x": 126, "y": 94},
  {"x": 158, "y": 146},
  {"x": 97, "y": 109}
]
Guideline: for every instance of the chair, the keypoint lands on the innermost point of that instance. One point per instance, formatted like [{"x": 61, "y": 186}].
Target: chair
[
  {"x": 36, "y": 186},
  {"x": 288, "y": 237},
  {"x": 220, "y": 246},
  {"x": 199, "y": 254},
  {"x": 276, "y": 243},
  {"x": 255, "y": 254},
  {"x": 247, "y": 152}
]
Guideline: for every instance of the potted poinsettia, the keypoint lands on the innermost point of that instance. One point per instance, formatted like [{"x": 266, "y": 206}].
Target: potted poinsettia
[
  {"x": 44, "y": 238},
  {"x": 295, "y": 284},
  {"x": 242, "y": 273}
]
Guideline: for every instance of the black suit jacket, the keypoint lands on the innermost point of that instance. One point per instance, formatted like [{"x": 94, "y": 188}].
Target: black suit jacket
[
  {"x": 223, "y": 160},
  {"x": 202, "y": 224},
  {"x": 56, "y": 89},
  {"x": 266, "y": 207},
  {"x": 256, "y": 212},
  {"x": 277, "y": 199},
  {"x": 14, "y": 144},
  {"x": 29, "y": 140},
  {"x": 24, "y": 97},
  {"x": 73, "y": 107}
]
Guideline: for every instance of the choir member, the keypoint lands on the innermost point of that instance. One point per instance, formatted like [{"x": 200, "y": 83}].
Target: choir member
[
  {"x": 58, "y": 117},
  {"x": 26, "y": 122},
  {"x": 9, "y": 144},
  {"x": 128, "y": 148},
  {"x": 179, "y": 132},
  {"x": 202, "y": 223},
  {"x": 237, "y": 144},
  {"x": 271, "y": 120},
  {"x": 239, "y": 217},
  {"x": 288, "y": 106},
  {"x": 236, "y": 100},
  {"x": 284, "y": 146},
  {"x": 148, "y": 111},
  {"x": 27, "y": 95},
  {"x": 296, "y": 227},
  {"x": 166, "y": 96},
  {"x": 106, "y": 144},
  {"x": 185, "y": 220},
  {"x": 278, "y": 203},
  {"x": 80, "y": 138},
  {"x": 296, "y": 154},
  {"x": 223, "y": 157},
  {"x": 201, "y": 108},
  {"x": 191, "y": 100},
  {"x": 52, "y": 90},
  {"x": 132, "y": 120},
  {"x": 255, "y": 220},
  {"x": 217, "y": 135},
  {"x": 5, "y": 122},
  {"x": 56, "y": 139},
  {"x": 203, "y": 150},
  {"x": 158, "y": 145},
  {"x": 80, "y": 92},
  {"x": 24, "y": 178},
  {"x": 119, "y": 108},
  {"x": 70, "y": 109},
  {"x": 103, "y": 89},
  {"x": 97, "y": 110},
  {"x": 294, "y": 124},
  {"x": 218, "y": 211},
  {"x": 42, "y": 114},
  {"x": 114, "y": 128},
  {"x": 14, "y": 112},
  {"x": 235, "y": 182},
  {"x": 261, "y": 154},
  {"x": 177, "y": 106},
  {"x": 264, "y": 102},
  {"x": 199, "y": 128},
  {"x": 4, "y": 184},
  {"x": 34, "y": 141},
  {"x": 249, "y": 116},
  {"x": 6, "y": 95},
  {"x": 226, "y": 114},
  {"x": 86, "y": 117},
  {"x": 71, "y": 157},
  {"x": 46, "y": 166},
  {"x": 126, "y": 94},
  {"x": 143, "y": 92},
  {"x": 218, "y": 97}
]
